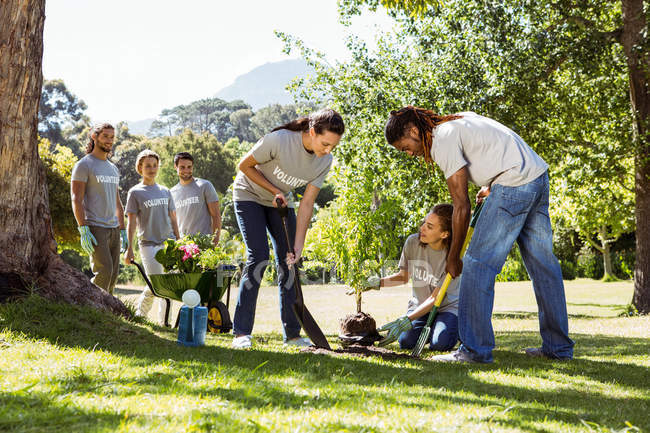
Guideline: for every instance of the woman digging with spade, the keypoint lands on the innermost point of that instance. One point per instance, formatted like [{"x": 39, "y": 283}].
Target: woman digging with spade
[
  {"x": 472, "y": 148},
  {"x": 423, "y": 259},
  {"x": 291, "y": 156}
]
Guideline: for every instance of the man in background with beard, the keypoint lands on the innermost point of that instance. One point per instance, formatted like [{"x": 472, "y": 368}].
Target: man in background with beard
[
  {"x": 196, "y": 200},
  {"x": 97, "y": 207}
]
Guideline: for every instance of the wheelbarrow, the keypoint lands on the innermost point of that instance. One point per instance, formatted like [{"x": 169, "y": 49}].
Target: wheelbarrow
[{"x": 211, "y": 285}]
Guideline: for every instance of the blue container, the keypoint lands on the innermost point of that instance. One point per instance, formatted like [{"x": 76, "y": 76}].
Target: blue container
[{"x": 192, "y": 324}]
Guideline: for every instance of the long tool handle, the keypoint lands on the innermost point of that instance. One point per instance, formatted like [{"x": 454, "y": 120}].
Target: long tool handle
[
  {"x": 445, "y": 284},
  {"x": 143, "y": 273},
  {"x": 284, "y": 212}
]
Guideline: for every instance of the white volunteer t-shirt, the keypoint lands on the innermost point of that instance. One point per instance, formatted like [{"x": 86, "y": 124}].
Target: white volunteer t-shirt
[
  {"x": 284, "y": 162},
  {"x": 426, "y": 268},
  {"x": 492, "y": 152}
]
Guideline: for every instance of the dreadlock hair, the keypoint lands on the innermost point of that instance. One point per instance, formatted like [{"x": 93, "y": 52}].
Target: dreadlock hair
[
  {"x": 424, "y": 120},
  {"x": 96, "y": 129},
  {"x": 321, "y": 120}
]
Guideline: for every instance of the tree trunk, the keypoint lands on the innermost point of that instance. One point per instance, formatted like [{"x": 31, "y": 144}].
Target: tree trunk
[
  {"x": 608, "y": 274},
  {"x": 635, "y": 43},
  {"x": 29, "y": 258},
  {"x": 358, "y": 296}
]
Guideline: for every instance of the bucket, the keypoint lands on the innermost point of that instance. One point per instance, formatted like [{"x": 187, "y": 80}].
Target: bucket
[{"x": 192, "y": 324}]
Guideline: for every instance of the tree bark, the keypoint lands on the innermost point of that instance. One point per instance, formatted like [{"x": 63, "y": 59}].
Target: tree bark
[
  {"x": 635, "y": 45},
  {"x": 29, "y": 259},
  {"x": 608, "y": 273}
]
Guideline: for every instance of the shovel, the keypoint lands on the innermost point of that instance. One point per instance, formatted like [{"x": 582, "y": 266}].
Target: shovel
[
  {"x": 305, "y": 318},
  {"x": 426, "y": 331}
]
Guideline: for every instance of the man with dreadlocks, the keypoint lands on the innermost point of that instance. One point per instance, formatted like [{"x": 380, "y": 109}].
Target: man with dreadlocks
[
  {"x": 97, "y": 207},
  {"x": 472, "y": 148}
]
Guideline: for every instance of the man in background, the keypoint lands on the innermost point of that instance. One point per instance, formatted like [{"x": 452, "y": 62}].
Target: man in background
[
  {"x": 197, "y": 203},
  {"x": 97, "y": 207}
]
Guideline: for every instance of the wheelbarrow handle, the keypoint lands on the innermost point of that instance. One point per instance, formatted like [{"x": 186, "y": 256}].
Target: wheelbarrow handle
[
  {"x": 144, "y": 274},
  {"x": 146, "y": 280}
]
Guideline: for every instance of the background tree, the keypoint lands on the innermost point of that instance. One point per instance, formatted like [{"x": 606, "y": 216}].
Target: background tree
[
  {"x": 25, "y": 220},
  {"x": 510, "y": 61},
  {"x": 211, "y": 160},
  {"x": 125, "y": 151},
  {"x": 241, "y": 121},
  {"x": 58, "y": 170},
  {"x": 206, "y": 115},
  {"x": 60, "y": 115},
  {"x": 549, "y": 35},
  {"x": 267, "y": 118},
  {"x": 237, "y": 148}
]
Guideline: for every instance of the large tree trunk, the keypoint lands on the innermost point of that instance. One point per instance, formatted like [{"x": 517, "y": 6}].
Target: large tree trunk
[
  {"x": 635, "y": 45},
  {"x": 28, "y": 258}
]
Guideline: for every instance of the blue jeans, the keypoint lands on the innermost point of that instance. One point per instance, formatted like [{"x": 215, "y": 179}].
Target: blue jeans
[
  {"x": 254, "y": 222},
  {"x": 444, "y": 332},
  {"x": 513, "y": 214}
]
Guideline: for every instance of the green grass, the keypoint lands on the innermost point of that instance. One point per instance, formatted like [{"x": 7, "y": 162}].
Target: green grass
[{"x": 70, "y": 369}]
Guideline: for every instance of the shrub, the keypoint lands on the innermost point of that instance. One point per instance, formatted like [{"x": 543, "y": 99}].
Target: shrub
[
  {"x": 623, "y": 263},
  {"x": 513, "y": 269},
  {"x": 590, "y": 263},
  {"x": 568, "y": 269}
]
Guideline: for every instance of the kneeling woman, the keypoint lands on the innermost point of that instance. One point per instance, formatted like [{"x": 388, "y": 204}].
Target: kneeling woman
[
  {"x": 423, "y": 259},
  {"x": 291, "y": 156}
]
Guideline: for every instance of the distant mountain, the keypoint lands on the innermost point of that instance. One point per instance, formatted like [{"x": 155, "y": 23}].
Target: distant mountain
[
  {"x": 260, "y": 87},
  {"x": 139, "y": 127},
  {"x": 266, "y": 84}
]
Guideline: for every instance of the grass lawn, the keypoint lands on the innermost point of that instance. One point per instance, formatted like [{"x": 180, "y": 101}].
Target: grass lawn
[{"x": 70, "y": 369}]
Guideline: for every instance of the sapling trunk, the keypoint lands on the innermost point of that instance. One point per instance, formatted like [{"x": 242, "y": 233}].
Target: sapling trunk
[{"x": 358, "y": 293}]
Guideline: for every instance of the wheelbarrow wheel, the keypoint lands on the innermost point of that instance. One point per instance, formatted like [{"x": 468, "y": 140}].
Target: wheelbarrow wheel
[{"x": 219, "y": 319}]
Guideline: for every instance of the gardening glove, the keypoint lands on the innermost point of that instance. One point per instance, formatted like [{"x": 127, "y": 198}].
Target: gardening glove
[
  {"x": 87, "y": 239},
  {"x": 125, "y": 241},
  {"x": 372, "y": 283},
  {"x": 395, "y": 329}
]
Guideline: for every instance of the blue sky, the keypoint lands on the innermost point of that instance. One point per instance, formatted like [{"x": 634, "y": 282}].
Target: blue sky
[{"x": 130, "y": 59}]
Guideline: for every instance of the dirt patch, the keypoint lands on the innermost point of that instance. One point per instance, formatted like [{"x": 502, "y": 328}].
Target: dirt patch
[{"x": 362, "y": 352}]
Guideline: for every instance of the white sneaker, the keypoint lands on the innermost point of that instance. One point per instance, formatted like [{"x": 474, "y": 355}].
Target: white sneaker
[
  {"x": 299, "y": 342},
  {"x": 243, "y": 342}
]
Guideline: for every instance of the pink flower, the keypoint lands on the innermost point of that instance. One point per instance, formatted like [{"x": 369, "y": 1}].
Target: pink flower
[{"x": 190, "y": 251}]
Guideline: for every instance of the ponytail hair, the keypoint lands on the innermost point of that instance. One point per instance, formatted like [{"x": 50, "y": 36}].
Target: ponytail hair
[
  {"x": 321, "y": 120},
  {"x": 96, "y": 129},
  {"x": 424, "y": 120}
]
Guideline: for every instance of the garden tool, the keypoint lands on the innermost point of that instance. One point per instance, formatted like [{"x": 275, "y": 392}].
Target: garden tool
[
  {"x": 305, "y": 318},
  {"x": 426, "y": 331}
]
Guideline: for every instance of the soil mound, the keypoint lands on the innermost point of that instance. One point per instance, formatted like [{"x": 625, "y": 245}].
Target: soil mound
[{"x": 359, "y": 329}]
